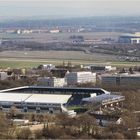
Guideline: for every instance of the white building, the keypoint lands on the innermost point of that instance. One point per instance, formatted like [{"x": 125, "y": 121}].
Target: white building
[
  {"x": 121, "y": 79},
  {"x": 3, "y": 75},
  {"x": 19, "y": 31},
  {"x": 54, "y": 31},
  {"x": 73, "y": 78},
  {"x": 51, "y": 81}
]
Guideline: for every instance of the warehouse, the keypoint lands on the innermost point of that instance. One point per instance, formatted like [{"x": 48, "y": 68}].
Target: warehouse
[
  {"x": 130, "y": 38},
  {"x": 121, "y": 79}
]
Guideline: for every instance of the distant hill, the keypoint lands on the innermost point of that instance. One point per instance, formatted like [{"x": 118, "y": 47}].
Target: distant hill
[{"x": 124, "y": 24}]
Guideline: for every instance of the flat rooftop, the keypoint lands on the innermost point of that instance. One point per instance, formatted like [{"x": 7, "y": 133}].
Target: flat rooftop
[
  {"x": 49, "y": 98},
  {"x": 34, "y": 98},
  {"x": 10, "y": 97}
]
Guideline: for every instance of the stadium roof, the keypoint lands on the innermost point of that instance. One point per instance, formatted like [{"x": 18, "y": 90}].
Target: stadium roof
[
  {"x": 48, "y": 98},
  {"x": 34, "y": 98},
  {"x": 13, "y": 97},
  {"x": 64, "y": 90},
  {"x": 13, "y": 89},
  {"x": 104, "y": 99}
]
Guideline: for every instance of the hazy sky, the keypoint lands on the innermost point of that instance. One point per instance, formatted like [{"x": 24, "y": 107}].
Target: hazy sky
[{"x": 68, "y": 8}]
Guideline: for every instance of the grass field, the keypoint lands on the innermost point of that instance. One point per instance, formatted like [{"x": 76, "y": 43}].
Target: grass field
[
  {"x": 46, "y": 37},
  {"x": 20, "y": 59},
  {"x": 61, "y": 55},
  {"x": 29, "y": 63}
]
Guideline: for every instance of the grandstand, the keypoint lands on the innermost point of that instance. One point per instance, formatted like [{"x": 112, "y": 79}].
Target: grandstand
[
  {"x": 104, "y": 99},
  {"x": 27, "y": 102}
]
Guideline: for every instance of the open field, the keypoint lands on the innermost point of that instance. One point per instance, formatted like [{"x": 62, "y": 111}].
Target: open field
[
  {"x": 60, "y": 55},
  {"x": 22, "y": 63},
  {"x": 61, "y": 37},
  {"x": 20, "y": 59},
  {"x": 35, "y": 58}
]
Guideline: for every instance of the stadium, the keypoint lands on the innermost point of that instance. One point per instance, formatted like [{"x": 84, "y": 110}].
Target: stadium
[{"x": 39, "y": 99}]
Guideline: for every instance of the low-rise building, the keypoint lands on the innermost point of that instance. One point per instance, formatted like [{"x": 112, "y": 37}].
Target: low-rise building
[
  {"x": 130, "y": 38},
  {"x": 99, "y": 68},
  {"x": 3, "y": 75},
  {"x": 106, "y": 120},
  {"x": 19, "y": 31},
  {"x": 54, "y": 31},
  {"x": 51, "y": 81},
  {"x": 121, "y": 79},
  {"x": 102, "y": 68},
  {"x": 73, "y": 78}
]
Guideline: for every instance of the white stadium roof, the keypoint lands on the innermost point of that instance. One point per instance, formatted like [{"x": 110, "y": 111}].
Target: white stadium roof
[
  {"x": 48, "y": 98},
  {"x": 34, "y": 98},
  {"x": 13, "y": 97}
]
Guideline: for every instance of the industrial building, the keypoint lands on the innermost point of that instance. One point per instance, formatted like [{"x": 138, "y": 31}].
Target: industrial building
[
  {"x": 73, "y": 78},
  {"x": 99, "y": 68},
  {"x": 45, "y": 99},
  {"x": 51, "y": 81},
  {"x": 121, "y": 79},
  {"x": 130, "y": 38},
  {"x": 102, "y": 68}
]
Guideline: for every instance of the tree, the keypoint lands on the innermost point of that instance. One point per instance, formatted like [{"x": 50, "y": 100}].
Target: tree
[
  {"x": 13, "y": 111},
  {"x": 6, "y": 128},
  {"x": 122, "y": 70},
  {"x": 86, "y": 124},
  {"x": 110, "y": 135},
  {"x": 38, "y": 134},
  {"x": 53, "y": 132},
  {"x": 131, "y": 70},
  {"x": 64, "y": 120},
  {"x": 23, "y": 133}
]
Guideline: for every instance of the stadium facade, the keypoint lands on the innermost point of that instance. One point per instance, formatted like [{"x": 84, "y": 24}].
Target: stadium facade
[{"x": 40, "y": 99}]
